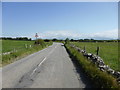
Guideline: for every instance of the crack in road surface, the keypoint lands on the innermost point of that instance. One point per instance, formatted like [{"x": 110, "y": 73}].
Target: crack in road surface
[{"x": 27, "y": 79}]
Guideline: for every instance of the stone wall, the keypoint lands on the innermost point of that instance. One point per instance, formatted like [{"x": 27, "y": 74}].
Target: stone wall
[{"x": 99, "y": 63}]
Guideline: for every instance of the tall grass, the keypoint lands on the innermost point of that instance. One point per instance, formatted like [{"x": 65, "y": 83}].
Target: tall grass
[{"x": 100, "y": 79}]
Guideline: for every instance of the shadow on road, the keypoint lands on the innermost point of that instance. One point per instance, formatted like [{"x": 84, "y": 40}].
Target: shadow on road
[{"x": 85, "y": 79}]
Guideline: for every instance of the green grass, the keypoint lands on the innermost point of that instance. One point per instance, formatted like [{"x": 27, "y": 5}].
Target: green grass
[
  {"x": 22, "y": 51},
  {"x": 108, "y": 51},
  {"x": 10, "y": 45},
  {"x": 99, "y": 79}
]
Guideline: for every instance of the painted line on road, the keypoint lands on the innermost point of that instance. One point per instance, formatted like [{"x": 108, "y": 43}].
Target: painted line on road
[
  {"x": 43, "y": 61},
  {"x": 38, "y": 65},
  {"x": 33, "y": 71},
  {"x": 52, "y": 51}
]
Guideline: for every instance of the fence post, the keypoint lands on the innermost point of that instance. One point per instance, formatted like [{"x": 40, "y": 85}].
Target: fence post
[
  {"x": 30, "y": 46},
  {"x": 84, "y": 48},
  {"x": 25, "y": 45},
  {"x": 98, "y": 50}
]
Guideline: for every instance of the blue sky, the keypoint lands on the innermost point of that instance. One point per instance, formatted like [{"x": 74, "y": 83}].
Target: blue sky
[{"x": 98, "y": 20}]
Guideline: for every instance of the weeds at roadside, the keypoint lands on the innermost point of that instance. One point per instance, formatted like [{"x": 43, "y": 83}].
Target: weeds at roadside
[{"x": 100, "y": 79}]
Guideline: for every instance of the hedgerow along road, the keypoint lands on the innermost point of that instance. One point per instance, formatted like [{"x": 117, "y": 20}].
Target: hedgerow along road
[{"x": 49, "y": 68}]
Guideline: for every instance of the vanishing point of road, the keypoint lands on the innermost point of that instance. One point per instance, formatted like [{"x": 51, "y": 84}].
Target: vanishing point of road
[{"x": 49, "y": 68}]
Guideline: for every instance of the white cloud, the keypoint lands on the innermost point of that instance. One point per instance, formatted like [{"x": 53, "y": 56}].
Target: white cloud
[
  {"x": 110, "y": 34},
  {"x": 62, "y": 34}
]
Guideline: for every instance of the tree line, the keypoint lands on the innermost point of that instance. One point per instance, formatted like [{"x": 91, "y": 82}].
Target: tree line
[
  {"x": 59, "y": 40},
  {"x": 84, "y": 40},
  {"x": 17, "y": 38}
]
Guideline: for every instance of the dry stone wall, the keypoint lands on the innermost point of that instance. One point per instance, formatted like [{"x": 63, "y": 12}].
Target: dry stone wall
[{"x": 99, "y": 62}]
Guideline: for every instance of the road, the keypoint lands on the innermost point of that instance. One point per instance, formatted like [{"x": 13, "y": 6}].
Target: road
[{"x": 48, "y": 68}]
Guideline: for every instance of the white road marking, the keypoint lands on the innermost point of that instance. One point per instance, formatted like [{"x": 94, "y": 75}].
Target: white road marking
[
  {"x": 38, "y": 65},
  {"x": 33, "y": 71},
  {"x": 43, "y": 60}
]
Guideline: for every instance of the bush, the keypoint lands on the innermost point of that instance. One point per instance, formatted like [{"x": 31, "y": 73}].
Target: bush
[
  {"x": 67, "y": 41},
  {"x": 40, "y": 42}
]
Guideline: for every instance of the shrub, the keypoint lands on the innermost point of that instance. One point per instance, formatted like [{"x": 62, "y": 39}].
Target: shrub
[
  {"x": 40, "y": 42},
  {"x": 67, "y": 41}
]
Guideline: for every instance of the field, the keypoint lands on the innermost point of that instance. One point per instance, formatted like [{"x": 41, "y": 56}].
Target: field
[
  {"x": 0, "y": 46},
  {"x": 13, "y": 50},
  {"x": 108, "y": 51},
  {"x": 8, "y": 45}
]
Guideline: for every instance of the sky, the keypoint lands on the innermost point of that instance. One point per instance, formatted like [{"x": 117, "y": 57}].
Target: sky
[{"x": 77, "y": 20}]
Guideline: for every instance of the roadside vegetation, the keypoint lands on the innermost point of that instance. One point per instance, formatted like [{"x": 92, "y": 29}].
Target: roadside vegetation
[
  {"x": 108, "y": 51},
  {"x": 100, "y": 79},
  {"x": 15, "y": 49},
  {"x": 11, "y": 45}
]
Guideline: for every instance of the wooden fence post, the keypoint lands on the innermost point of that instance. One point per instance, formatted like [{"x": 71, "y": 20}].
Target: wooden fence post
[{"x": 98, "y": 50}]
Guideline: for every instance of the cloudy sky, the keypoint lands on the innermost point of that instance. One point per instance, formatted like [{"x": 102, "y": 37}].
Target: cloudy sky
[{"x": 77, "y": 20}]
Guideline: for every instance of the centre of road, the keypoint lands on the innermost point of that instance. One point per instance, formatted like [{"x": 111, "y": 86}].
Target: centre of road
[{"x": 42, "y": 61}]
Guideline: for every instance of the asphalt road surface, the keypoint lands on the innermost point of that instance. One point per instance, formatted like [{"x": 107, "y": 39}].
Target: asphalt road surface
[{"x": 48, "y": 68}]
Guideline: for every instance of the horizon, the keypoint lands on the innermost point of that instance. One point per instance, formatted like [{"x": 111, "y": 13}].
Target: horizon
[
  {"x": 14, "y": 38},
  {"x": 74, "y": 20}
]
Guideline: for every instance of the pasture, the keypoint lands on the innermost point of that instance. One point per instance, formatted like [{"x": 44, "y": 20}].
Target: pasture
[
  {"x": 108, "y": 51},
  {"x": 10, "y": 45},
  {"x": 13, "y": 49},
  {"x": 0, "y": 46}
]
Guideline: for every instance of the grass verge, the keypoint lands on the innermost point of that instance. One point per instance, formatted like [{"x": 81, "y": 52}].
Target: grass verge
[
  {"x": 99, "y": 79},
  {"x": 108, "y": 51},
  {"x": 7, "y": 59}
]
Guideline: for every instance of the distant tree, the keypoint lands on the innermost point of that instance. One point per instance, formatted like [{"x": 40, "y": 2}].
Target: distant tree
[
  {"x": 86, "y": 40},
  {"x": 17, "y": 38},
  {"x": 46, "y": 40},
  {"x": 67, "y": 41},
  {"x": 72, "y": 40},
  {"x": 54, "y": 39},
  {"x": 81, "y": 40},
  {"x": 40, "y": 42},
  {"x": 30, "y": 39}
]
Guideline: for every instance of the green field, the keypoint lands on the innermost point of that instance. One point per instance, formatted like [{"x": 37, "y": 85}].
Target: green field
[
  {"x": 19, "y": 49},
  {"x": 108, "y": 51},
  {"x": 0, "y": 46},
  {"x": 10, "y": 45}
]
